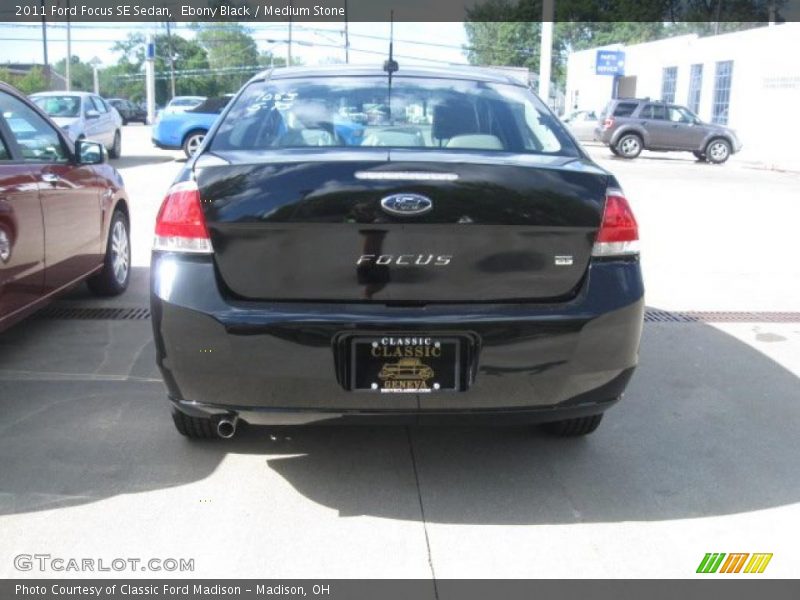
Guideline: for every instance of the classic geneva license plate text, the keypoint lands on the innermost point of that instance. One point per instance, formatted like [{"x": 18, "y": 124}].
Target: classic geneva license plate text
[{"x": 405, "y": 364}]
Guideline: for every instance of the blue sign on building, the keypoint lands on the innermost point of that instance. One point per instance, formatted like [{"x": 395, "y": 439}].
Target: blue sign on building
[{"x": 610, "y": 62}]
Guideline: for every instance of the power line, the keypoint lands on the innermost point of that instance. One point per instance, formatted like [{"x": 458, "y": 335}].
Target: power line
[
  {"x": 273, "y": 40},
  {"x": 270, "y": 26},
  {"x": 194, "y": 72}
]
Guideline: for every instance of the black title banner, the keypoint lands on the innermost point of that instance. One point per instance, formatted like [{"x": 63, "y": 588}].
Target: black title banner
[{"x": 756, "y": 11}]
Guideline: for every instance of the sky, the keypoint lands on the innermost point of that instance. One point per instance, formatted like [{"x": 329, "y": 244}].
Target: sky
[{"x": 415, "y": 43}]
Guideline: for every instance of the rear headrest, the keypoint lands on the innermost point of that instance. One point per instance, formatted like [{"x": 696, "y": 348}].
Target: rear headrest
[
  {"x": 312, "y": 114},
  {"x": 452, "y": 118},
  {"x": 476, "y": 141}
]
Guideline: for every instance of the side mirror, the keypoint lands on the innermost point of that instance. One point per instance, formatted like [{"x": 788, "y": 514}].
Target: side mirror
[
  {"x": 90, "y": 153},
  {"x": 92, "y": 114}
]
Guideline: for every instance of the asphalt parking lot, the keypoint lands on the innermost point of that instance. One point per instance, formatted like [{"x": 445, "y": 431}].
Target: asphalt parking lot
[{"x": 701, "y": 456}]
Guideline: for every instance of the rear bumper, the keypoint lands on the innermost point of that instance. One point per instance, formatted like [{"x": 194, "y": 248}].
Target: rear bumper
[
  {"x": 602, "y": 135},
  {"x": 592, "y": 403},
  {"x": 276, "y": 363}
]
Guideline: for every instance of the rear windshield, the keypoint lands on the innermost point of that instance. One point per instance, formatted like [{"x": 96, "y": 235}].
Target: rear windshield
[
  {"x": 186, "y": 101},
  {"x": 625, "y": 109},
  {"x": 415, "y": 113},
  {"x": 212, "y": 106}
]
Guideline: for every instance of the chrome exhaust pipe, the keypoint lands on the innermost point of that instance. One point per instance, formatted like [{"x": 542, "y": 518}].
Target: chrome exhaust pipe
[{"x": 226, "y": 427}]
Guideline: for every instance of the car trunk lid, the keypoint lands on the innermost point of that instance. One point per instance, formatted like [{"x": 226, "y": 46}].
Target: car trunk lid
[{"x": 302, "y": 225}]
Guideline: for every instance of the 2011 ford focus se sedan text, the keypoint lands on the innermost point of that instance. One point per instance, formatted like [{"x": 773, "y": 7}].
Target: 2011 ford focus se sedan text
[{"x": 418, "y": 246}]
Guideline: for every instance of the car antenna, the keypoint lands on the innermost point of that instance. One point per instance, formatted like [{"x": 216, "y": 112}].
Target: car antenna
[{"x": 390, "y": 66}]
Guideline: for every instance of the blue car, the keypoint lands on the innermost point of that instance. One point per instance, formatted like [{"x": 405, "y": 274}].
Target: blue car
[{"x": 187, "y": 130}]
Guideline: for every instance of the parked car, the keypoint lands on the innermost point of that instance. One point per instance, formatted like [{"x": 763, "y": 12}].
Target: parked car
[
  {"x": 186, "y": 130},
  {"x": 129, "y": 111},
  {"x": 630, "y": 125},
  {"x": 582, "y": 124},
  {"x": 84, "y": 116},
  {"x": 181, "y": 104},
  {"x": 64, "y": 214},
  {"x": 291, "y": 270}
]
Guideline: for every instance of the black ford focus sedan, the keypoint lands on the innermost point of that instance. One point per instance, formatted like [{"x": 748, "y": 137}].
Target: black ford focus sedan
[{"x": 416, "y": 246}]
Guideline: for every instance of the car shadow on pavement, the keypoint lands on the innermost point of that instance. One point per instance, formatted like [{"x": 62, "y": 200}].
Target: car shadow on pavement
[
  {"x": 661, "y": 157},
  {"x": 127, "y": 161},
  {"x": 137, "y": 294},
  {"x": 708, "y": 427}
]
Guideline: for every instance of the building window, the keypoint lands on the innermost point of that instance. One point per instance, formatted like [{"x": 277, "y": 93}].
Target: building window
[
  {"x": 722, "y": 92},
  {"x": 668, "y": 82},
  {"x": 695, "y": 85}
]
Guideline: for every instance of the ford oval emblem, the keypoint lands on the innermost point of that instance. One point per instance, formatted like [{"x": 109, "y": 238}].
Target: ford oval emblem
[{"x": 406, "y": 205}]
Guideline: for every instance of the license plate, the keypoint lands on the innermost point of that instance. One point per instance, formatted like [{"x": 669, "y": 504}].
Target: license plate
[{"x": 410, "y": 364}]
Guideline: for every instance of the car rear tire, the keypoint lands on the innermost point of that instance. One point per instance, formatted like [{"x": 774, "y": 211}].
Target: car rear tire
[
  {"x": 629, "y": 145},
  {"x": 700, "y": 155},
  {"x": 116, "y": 272},
  {"x": 116, "y": 148},
  {"x": 574, "y": 427},
  {"x": 718, "y": 151},
  {"x": 196, "y": 428},
  {"x": 613, "y": 150},
  {"x": 192, "y": 142}
]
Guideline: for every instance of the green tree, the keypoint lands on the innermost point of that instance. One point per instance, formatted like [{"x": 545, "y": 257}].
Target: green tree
[
  {"x": 514, "y": 44},
  {"x": 30, "y": 83},
  {"x": 33, "y": 81},
  {"x": 126, "y": 78},
  {"x": 81, "y": 73},
  {"x": 229, "y": 46}
]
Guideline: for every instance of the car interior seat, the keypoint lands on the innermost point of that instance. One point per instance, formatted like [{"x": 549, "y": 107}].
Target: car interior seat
[{"x": 456, "y": 125}]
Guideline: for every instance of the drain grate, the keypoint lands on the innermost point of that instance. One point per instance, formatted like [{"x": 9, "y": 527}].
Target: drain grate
[
  {"x": 651, "y": 315},
  {"x": 716, "y": 316},
  {"x": 664, "y": 316},
  {"x": 94, "y": 313}
]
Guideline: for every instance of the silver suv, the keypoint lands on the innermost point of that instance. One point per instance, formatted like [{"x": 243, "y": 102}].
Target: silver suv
[{"x": 629, "y": 125}]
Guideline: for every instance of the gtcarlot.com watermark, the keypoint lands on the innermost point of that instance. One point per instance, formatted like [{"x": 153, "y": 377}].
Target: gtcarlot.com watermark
[{"x": 44, "y": 563}]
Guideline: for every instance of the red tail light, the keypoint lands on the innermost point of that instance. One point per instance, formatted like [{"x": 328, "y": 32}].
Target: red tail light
[
  {"x": 180, "y": 225},
  {"x": 608, "y": 123},
  {"x": 619, "y": 233}
]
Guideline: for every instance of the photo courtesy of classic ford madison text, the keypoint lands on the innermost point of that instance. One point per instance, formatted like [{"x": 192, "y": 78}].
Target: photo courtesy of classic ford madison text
[{"x": 434, "y": 300}]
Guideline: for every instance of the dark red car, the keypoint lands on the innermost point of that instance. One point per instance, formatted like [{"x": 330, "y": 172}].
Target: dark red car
[{"x": 63, "y": 212}]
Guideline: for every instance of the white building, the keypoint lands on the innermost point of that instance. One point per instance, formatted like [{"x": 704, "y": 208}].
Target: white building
[{"x": 749, "y": 80}]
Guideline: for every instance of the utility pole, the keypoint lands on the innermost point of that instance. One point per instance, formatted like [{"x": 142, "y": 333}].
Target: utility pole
[
  {"x": 289, "y": 47},
  {"x": 171, "y": 63},
  {"x": 95, "y": 63},
  {"x": 546, "y": 51},
  {"x": 150, "y": 77},
  {"x": 346, "y": 36},
  {"x": 44, "y": 45},
  {"x": 68, "y": 63}
]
